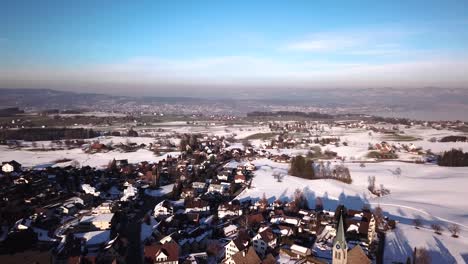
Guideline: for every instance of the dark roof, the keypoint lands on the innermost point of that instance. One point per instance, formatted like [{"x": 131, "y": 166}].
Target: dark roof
[
  {"x": 241, "y": 242},
  {"x": 229, "y": 206},
  {"x": 246, "y": 256},
  {"x": 13, "y": 163},
  {"x": 269, "y": 259},
  {"x": 171, "y": 250},
  {"x": 198, "y": 203},
  {"x": 255, "y": 218},
  {"x": 267, "y": 235},
  {"x": 28, "y": 256}
]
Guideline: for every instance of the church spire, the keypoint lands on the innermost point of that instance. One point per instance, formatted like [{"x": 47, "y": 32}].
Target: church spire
[
  {"x": 340, "y": 247},
  {"x": 340, "y": 234}
]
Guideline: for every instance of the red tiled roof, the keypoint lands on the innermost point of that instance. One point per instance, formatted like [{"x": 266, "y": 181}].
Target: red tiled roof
[
  {"x": 171, "y": 250},
  {"x": 247, "y": 256}
]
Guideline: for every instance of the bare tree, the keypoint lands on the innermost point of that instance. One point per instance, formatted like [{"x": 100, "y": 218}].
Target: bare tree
[
  {"x": 371, "y": 181},
  {"x": 278, "y": 176},
  {"x": 417, "y": 223},
  {"x": 454, "y": 229},
  {"x": 437, "y": 229},
  {"x": 421, "y": 256},
  {"x": 397, "y": 172}
]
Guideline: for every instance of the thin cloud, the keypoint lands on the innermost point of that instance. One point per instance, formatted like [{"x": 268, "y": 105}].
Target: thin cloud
[
  {"x": 325, "y": 43},
  {"x": 363, "y": 42},
  {"x": 245, "y": 71}
]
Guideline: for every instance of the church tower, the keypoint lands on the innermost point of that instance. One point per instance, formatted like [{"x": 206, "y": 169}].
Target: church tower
[{"x": 340, "y": 247}]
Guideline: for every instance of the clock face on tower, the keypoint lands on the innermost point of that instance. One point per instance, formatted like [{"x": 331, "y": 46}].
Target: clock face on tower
[{"x": 337, "y": 246}]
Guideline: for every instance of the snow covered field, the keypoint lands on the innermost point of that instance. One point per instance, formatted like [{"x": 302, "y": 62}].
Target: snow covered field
[
  {"x": 434, "y": 194},
  {"x": 98, "y": 160}
]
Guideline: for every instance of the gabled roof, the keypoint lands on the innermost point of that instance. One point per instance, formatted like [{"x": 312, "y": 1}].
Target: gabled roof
[
  {"x": 267, "y": 235},
  {"x": 240, "y": 242},
  {"x": 357, "y": 256},
  {"x": 171, "y": 250},
  {"x": 239, "y": 177},
  {"x": 247, "y": 256},
  {"x": 13, "y": 163},
  {"x": 255, "y": 218}
]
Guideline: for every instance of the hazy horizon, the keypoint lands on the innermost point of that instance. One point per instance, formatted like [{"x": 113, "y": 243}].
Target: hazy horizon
[{"x": 203, "y": 48}]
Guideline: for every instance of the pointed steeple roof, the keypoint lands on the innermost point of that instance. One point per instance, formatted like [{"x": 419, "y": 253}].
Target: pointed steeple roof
[{"x": 340, "y": 234}]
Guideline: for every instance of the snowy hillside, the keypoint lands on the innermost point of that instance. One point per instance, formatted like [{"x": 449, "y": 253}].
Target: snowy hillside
[{"x": 434, "y": 194}]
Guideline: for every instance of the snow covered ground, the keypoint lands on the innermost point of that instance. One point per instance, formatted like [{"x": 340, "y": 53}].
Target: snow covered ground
[
  {"x": 434, "y": 194},
  {"x": 47, "y": 158},
  {"x": 443, "y": 248}
]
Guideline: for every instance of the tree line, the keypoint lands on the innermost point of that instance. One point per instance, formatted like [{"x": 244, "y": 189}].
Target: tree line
[
  {"x": 37, "y": 134},
  {"x": 454, "y": 139},
  {"x": 302, "y": 167},
  {"x": 290, "y": 113},
  {"x": 453, "y": 158}
]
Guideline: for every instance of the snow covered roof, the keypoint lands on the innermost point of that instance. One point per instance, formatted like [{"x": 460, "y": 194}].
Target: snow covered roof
[
  {"x": 230, "y": 228},
  {"x": 89, "y": 189},
  {"x": 298, "y": 248},
  {"x": 353, "y": 227},
  {"x": 97, "y": 218},
  {"x": 95, "y": 237}
]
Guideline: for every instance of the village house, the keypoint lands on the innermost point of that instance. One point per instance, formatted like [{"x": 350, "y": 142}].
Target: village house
[
  {"x": 246, "y": 256},
  {"x": 219, "y": 188},
  {"x": 361, "y": 225},
  {"x": 229, "y": 209},
  {"x": 163, "y": 209},
  {"x": 162, "y": 254},
  {"x": 264, "y": 240},
  {"x": 239, "y": 178},
  {"x": 249, "y": 166},
  {"x": 11, "y": 166},
  {"x": 199, "y": 187},
  {"x": 224, "y": 175},
  {"x": 230, "y": 230},
  {"x": 238, "y": 244},
  {"x": 187, "y": 193},
  {"x": 196, "y": 205}
]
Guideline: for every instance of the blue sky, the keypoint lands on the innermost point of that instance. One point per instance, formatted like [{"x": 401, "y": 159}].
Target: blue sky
[{"x": 153, "y": 45}]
